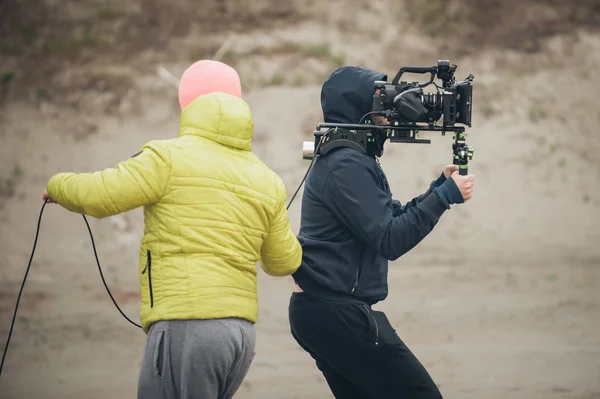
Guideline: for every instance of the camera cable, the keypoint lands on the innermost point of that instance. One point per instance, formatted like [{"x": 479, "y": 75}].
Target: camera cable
[
  {"x": 37, "y": 232},
  {"x": 308, "y": 169}
]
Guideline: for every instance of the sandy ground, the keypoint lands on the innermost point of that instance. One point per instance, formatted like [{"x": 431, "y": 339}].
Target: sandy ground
[{"x": 502, "y": 300}]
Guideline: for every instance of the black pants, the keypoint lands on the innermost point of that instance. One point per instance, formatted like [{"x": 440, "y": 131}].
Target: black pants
[{"x": 358, "y": 351}]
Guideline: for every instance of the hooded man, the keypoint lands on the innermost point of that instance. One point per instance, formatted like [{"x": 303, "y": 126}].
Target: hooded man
[
  {"x": 212, "y": 210},
  {"x": 350, "y": 228}
]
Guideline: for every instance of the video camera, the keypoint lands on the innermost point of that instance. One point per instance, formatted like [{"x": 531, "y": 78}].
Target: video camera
[
  {"x": 405, "y": 104},
  {"x": 409, "y": 110}
]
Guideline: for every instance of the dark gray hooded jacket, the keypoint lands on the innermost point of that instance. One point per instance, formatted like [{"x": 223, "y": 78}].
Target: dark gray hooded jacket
[{"x": 350, "y": 225}]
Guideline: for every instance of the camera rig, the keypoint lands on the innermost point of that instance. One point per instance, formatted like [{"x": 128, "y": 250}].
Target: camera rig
[{"x": 409, "y": 110}]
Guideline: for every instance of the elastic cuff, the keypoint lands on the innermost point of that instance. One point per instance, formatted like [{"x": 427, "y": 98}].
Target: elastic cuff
[
  {"x": 442, "y": 198},
  {"x": 440, "y": 180},
  {"x": 434, "y": 205}
]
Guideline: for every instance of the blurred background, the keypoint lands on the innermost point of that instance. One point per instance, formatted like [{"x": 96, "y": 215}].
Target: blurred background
[{"x": 502, "y": 300}]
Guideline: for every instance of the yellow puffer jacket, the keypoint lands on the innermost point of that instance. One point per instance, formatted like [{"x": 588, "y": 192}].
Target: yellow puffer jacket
[{"x": 212, "y": 210}]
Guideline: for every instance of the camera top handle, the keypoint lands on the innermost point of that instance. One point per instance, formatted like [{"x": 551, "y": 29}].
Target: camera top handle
[{"x": 432, "y": 70}]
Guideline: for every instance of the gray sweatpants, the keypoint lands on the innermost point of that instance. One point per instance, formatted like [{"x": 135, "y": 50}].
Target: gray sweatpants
[{"x": 196, "y": 359}]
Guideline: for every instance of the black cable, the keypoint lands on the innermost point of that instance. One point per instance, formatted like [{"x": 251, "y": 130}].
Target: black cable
[
  {"x": 367, "y": 114},
  {"x": 102, "y": 275},
  {"x": 37, "y": 232},
  {"x": 301, "y": 183},
  {"x": 12, "y": 324},
  {"x": 307, "y": 170}
]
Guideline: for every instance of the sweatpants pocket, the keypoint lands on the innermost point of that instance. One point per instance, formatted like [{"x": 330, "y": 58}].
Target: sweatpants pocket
[
  {"x": 387, "y": 333},
  {"x": 158, "y": 356},
  {"x": 373, "y": 329}
]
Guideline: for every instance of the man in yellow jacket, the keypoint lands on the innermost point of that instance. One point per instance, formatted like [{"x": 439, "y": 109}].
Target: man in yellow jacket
[{"x": 212, "y": 210}]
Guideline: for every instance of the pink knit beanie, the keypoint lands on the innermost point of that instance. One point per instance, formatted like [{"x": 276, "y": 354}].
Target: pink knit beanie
[{"x": 208, "y": 76}]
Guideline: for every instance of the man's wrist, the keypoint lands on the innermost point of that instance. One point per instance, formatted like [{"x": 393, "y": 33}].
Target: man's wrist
[
  {"x": 440, "y": 180},
  {"x": 441, "y": 197},
  {"x": 448, "y": 193},
  {"x": 437, "y": 182}
]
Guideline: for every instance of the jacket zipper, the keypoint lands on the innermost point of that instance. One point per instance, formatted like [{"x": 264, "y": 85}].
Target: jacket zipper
[
  {"x": 358, "y": 273},
  {"x": 357, "y": 278},
  {"x": 376, "y": 325},
  {"x": 355, "y": 284},
  {"x": 149, "y": 267}
]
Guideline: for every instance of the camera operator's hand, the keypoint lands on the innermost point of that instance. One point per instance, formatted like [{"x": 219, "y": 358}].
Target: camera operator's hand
[
  {"x": 448, "y": 170},
  {"x": 455, "y": 190},
  {"x": 465, "y": 184}
]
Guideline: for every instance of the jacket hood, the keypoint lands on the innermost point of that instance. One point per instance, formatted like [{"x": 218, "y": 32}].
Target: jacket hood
[
  {"x": 220, "y": 117},
  {"x": 347, "y": 94}
]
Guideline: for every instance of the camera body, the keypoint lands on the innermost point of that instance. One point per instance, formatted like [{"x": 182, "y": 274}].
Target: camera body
[
  {"x": 406, "y": 103},
  {"x": 409, "y": 110}
]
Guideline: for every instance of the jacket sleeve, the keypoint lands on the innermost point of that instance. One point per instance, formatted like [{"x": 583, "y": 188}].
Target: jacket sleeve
[
  {"x": 141, "y": 180},
  {"x": 353, "y": 195},
  {"x": 281, "y": 253},
  {"x": 399, "y": 208}
]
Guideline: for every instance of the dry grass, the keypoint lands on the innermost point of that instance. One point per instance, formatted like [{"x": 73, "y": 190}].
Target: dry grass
[
  {"x": 517, "y": 24},
  {"x": 9, "y": 183},
  {"x": 41, "y": 38},
  {"x": 38, "y": 41},
  {"x": 292, "y": 63}
]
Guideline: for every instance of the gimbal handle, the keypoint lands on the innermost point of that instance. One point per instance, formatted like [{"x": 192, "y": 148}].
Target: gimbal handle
[{"x": 462, "y": 153}]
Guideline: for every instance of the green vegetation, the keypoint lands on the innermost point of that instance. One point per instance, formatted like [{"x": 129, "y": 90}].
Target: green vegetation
[
  {"x": 9, "y": 183},
  {"x": 275, "y": 80},
  {"x": 6, "y": 77},
  {"x": 517, "y": 24},
  {"x": 40, "y": 42},
  {"x": 536, "y": 114}
]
